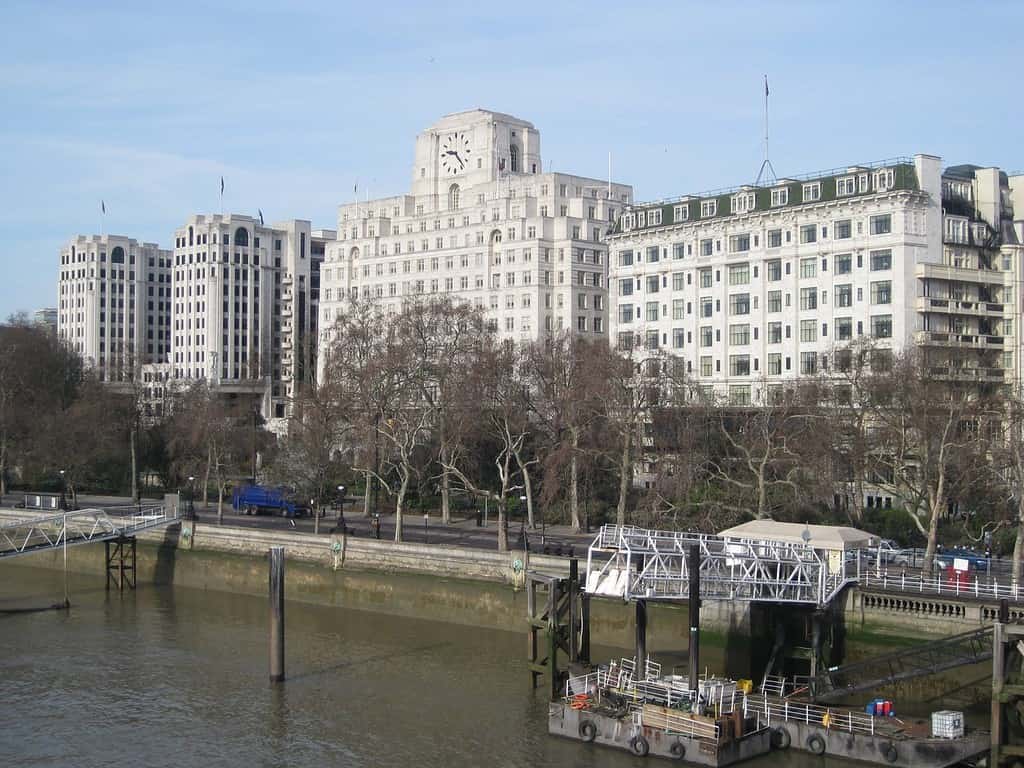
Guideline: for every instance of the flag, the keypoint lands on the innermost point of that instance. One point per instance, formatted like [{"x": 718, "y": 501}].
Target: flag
[
  {"x": 103, "y": 206},
  {"x": 261, "y": 216},
  {"x": 222, "y": 185},
  {"x": 766, "y": 86},
  {"x": 355, "y": 188}
]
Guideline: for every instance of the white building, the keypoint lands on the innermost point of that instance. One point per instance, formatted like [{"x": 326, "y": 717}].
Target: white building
[
  {"x": 46, "y": 318},
  {"x": 245, "y": 305},
  {"x": 485, "y": 224},
  {"x": 760, "y": 285},
  {"x": 114, "y": 303}
]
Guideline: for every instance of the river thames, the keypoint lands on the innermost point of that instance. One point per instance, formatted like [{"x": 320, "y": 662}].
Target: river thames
[{"x": 178, "y": 677}]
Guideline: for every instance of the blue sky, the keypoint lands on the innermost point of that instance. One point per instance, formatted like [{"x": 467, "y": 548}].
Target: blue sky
[{"x": 147, "y": 107}]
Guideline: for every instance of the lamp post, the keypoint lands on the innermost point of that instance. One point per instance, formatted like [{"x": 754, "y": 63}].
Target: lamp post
[
  {"x": 63, "y": 491},
  {"x": 426, "y": 519},
  {"x": 191, "y": 498},
  {"x": 522, "y": 521}
]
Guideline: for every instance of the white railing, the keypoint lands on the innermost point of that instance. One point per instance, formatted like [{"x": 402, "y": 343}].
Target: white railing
[
  {"x": 944, "y": 586},
  {"x": 789, "y": 711},
  {"x": 79, "y": 527}
]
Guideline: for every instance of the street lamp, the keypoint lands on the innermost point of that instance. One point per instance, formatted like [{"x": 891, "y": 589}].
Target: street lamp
[
  {"x": 63, "y": 491},
  {"x": 191, "y": 498},
  {"x": 426, "y": 518},
  {"x": 522, "y": 521}
]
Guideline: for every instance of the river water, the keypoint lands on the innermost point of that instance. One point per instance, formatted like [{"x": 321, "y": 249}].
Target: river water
[{"x": 178, "y": 677}]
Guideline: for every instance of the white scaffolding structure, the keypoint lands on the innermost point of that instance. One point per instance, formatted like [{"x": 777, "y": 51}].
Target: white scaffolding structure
[
  {"x": 638, "y": 563},
  {"x": 81, "y": 527}
]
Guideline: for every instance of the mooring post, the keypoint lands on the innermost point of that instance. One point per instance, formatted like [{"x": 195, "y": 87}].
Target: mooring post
[
  {"x": 694, "y": 605},
  {"x": 67, "y": 601},
  {"x": 574, "y": 627},
  {"x": 998, "y": 678},
  {"x": 641, "y": 640},
  {"x": 276, "y": 614},
  {"x": 584, "y": 651},
  {"x": 553, "y": 630}
]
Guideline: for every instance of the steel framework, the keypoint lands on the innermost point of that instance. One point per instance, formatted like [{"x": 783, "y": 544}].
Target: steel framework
[
  {"x": 645, "y": 564},
  {"x": 80, "y": 527}
]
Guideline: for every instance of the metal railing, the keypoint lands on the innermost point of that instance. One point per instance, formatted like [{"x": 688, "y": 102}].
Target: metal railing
[
  {"x": 785, "y": 710},
  {"x": 944, "y": 586},
  {"x": 651, "y": 564},
  {"x": 80, "y": 527}
]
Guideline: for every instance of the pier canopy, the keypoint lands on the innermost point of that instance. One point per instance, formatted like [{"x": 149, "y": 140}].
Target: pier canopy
[{"x": 834, "y": 538}]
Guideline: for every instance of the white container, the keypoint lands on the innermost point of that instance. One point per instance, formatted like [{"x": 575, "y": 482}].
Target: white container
[{"x": 948, "y": 724}]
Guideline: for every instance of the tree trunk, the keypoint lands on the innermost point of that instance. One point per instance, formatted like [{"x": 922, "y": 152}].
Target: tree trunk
[
  {"x": 400, "y": 501},
  {"x": 624, "y": 475},
  {"x": 762, "y": 497},
  {"x": 135, "y": 467},
  {"x": 220, "y": 500},
  {"x": 206, "y": 476},
  {"x": 1018, "y": 543},
  {"x": 528, "y": 490},
  {"x": 574, "y": 486},
  {"x": 366, "y": 495},
  {"x": 316, "y": 518},
  {"x": 933, "y": 536},
  {"x": 502, "y": 531},
  {"x": 3, "y": 464},
  {"x": 446, "y": 513}
]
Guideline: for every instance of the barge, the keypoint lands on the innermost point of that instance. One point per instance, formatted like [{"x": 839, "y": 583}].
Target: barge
[{"x": 720, "y": 724}]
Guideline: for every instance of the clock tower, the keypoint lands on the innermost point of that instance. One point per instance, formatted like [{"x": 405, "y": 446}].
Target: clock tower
[{"x": 466, "y": 149}]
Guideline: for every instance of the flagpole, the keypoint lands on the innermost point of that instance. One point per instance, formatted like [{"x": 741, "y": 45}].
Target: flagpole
[{"x": 609, "y": 175}]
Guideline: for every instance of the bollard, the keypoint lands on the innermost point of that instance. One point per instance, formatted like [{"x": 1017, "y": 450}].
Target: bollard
[{"x": 276, "y": 614}]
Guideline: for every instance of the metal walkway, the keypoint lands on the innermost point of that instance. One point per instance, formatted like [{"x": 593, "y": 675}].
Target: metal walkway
[
  {"x": 652, "y": 565},
  {"x": 81, "y": 527},
  {"x": 921, "y": 660}
]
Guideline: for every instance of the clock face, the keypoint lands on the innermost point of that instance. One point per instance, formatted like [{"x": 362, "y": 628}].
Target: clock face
[{"x": 455, "y": 153}]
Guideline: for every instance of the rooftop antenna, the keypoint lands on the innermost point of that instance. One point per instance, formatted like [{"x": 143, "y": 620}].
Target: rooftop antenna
[{"x": 767, "y": 172}]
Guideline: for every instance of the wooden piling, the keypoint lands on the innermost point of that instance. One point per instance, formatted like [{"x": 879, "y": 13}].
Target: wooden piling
[
  {"x": 574, "y": 596},
  {"x": 641, "y": 640},
  {"x": 276, "y": 614},
  {"x": 694, "y": 605}
]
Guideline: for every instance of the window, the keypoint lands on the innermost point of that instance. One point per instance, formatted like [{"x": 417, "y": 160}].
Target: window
[
  {"x": 625, "y": 258},
  {"x": 774, "y": 301},
  {"x": 808, "y": 330},
  {"x": 680, "y": 213},
  {"x": 707, "y": 306},
  {"x": 705, "y": 277},
  {"x": 884, "y": 179},
  {"x": 625, "y": 313},
  {"x": 653, "y": 217},
  {"x": 808, "y": 233},
  {"x": 706, "y": 247},
  {"x": 626, "y": 287},
  {"x": 677, "y": 338},
  {"x": 809, "y": 298},
  {"x": 739, "y": 395},
  {"x": 739, "y": 243},
  {"x": 881, "y": 326},
  {"x": 742, "y": 202},
  {"x": 847, "y": 185},
  {"x": 739, "y": 304},
  {"x": 677, "y": 281},
  {"x": 843, "y": 295},
  {"x": 881, "y": 260},
  {"x": 652, "y": 283},
  {"x": 844, "y": 264},
  {"x": 881, "y": 225},
  {"x": 844, "y": 328},
  {"x": 739, "y": 365},
  {"x": 705, "y": 366},
  {"x": 739, "y": 334},
  {"x": 708, "y": 208},
  {"x": 812, "y": 192},
  {"x": 453, "y": 198},
  {"x": 842, "y": 230},
  {"x": 881, "y": 292},
  {"x": 774, "y": 364},
  {"x": 774, "y": 270},
  {"x": 651, "y": 311},
  {"x": 677, "y": 309},
  {"x": 780, "y": 196},
  {"x": 652, "y": 254},
  {"x": 774, "y": 238},
  {"x": 808, "y": 267},
  {"x": 739, "y": 274},
  {"x": 808, "y": 363},
  {"x": 707, "y": 336}
]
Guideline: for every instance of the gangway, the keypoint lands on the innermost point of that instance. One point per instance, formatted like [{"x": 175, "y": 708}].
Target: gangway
[
  {"x": 38, "y": 534},
  {"x": 929, "y": 658},
  {"x": 643, "y": 564}
]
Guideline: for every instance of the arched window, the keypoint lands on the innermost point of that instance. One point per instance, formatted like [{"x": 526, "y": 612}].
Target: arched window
[
  {"x": 190, "y": 235},
  {"x": 117, "y": 255},
  {"x": 496, "y": 236},
  {"x": 513, "y": 152},
  {"x": 354, "y": 253},
  {"x": 453, "y": 197},
  {"x": 241, "y": 236}
]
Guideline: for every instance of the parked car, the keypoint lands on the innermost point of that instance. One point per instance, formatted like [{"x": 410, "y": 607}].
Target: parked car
[
  {"x": 256, "y": 499},
  {"x": 975, "y": 560}
]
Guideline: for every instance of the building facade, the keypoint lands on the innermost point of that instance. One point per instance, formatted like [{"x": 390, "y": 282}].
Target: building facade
[
  {"x": 484, "y": 224},
  {"x": 46, "y": 318},
  {"x": 245, "y": 300},
  {"x": 760, "y": 285},
  {"x": 114, "y": 303}
]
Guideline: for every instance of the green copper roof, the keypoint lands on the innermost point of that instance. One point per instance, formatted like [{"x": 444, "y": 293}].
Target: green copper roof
[{"x": 904, "y": 178}]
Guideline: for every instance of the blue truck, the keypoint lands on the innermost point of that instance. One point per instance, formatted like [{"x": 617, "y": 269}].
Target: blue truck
[{"x": 258, "y": 499}]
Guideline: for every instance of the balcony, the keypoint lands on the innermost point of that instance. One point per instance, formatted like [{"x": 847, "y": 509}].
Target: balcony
[
  {"x": 934, "y": 338},
  {"x": 967, "y": 374},
  {"x": 959, "y": 306}
]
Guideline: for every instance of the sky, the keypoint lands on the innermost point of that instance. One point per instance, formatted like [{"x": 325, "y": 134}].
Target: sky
[{"x": 146, "y": 106}]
